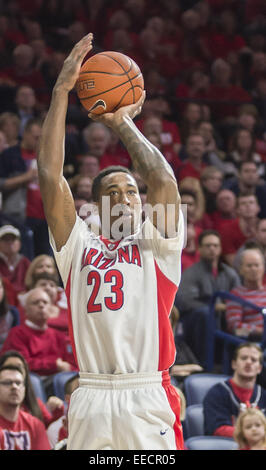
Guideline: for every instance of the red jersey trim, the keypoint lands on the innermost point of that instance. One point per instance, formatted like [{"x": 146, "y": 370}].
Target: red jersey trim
[
  {"x": 166, "y": 291},
  {"x": 174, "y": 402},
  {"x": 70, "y": 325}
]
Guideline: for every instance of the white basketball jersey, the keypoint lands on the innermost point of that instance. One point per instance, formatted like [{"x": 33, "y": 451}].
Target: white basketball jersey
[{"x": 120, "y": 297}]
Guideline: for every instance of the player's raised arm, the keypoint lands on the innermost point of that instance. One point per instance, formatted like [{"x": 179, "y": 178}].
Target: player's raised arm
[
  {"x": 150, "y": 164},
  {"x": 56, "y": 195}
]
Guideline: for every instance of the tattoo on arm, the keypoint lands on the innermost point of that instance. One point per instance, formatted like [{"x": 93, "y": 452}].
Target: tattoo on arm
[{"x": 146, "y": 158}]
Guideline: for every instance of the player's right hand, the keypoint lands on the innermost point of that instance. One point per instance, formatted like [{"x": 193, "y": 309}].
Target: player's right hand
[{"x": 113, "y": 120}]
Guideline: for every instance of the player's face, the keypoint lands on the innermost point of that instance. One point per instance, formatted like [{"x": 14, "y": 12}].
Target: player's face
[
  {"x": 247, "y": 364},
  {"x": 119, "y": 205}
]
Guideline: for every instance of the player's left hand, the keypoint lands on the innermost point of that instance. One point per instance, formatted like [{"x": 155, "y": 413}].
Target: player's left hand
[
  {"x": 72, "y": 64},
  {"x": 114, "y": 119}
]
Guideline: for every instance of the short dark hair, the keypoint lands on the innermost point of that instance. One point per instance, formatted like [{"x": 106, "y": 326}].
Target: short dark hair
[
  {"x": 188, "y": 192},
  {"x": 96, "y": 184},
  {"x": 206, "y": 233},
  {"x": 247, "y": 344},
  {"x": 45, "y": 275},
  {"x": 12, "y": 367}
]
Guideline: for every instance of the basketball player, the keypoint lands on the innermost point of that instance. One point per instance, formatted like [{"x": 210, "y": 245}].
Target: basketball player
[{"x": 120, "y": 290}]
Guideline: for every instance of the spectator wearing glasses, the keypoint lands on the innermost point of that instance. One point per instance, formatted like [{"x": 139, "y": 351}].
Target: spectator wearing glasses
[{"x": 18, "y": 430}]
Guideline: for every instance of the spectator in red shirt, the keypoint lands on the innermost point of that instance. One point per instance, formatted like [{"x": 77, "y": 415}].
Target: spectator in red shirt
[
  {"x": 225, "y": 211},
  {"x": 193, "y": 165},
  {"x": 97, "y": 137},
  {"x": 226, "y": 39},
  {"x": 22, "y": 70},
  {"x": 44, "y": 348},
  {"x": 20, "y": 430},
  {"x": 225, "y": 97},
  {"x": 58, "y": 317},
  {"x": 211, "y": 180},
  {"x": 13, "y": 265},
  {"x": 46, "y": 412},
  {"x": 242, "y": 228}
]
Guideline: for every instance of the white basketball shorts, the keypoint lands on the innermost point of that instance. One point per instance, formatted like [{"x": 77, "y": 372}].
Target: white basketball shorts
[{"x": 125, "y": 412}]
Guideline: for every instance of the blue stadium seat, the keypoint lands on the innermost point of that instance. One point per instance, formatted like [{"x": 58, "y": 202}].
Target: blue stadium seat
[
  {"x": 37, "y": 386},
  {"x": 210, "y": 443},
  {"x": 197, "y": 385},
  {"x": 59, "y": 381},
  {"x": 194, "y": 421}
]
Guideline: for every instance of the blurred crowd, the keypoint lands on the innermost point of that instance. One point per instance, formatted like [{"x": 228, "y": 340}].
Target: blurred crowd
[{"x": 204, "y": 69}]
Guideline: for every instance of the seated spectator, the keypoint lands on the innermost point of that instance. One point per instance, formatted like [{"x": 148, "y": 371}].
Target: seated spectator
[
  {"x": 248, "y": 182},
  {"x": 88, "y": 165},
  {"x": 115, "y": 153},
  {"x": 192, "y": 195},
  {"x": 194, "y": 87},
  {"x": 244, "y": 435},
  {"x": 9, "y": 315},
  {"x": 199, "y": 282},
  {"x": 3, "y": 142},
  {"x": 224, "y": 401},
  {"x": 226, "y": 38},
  {"x": 96, "y": 137},
  {"x": 10, "y": 125},
  {"x": 193, "y": 165},
  {"x": 25, "y": 105},
  {"x": 211, "y": 180},
  {"x": 17, "y": 172},
  {"x": 58, "y": 430},
  {"x": 225, "y": 211},
  {"x": 185, "y": 362},
  {"x": 43, "y": 264},
  {"x": 245, "y": 321},
  {"x": 242, "y": 150},
  {"x": 81, "y": 187},
  {"x": 191, "y": 117},
  {"x": 13, "y": 265},
  {"x": 224, "y": 96},
  {"x": 190, "y": 254},
  {"x": 19, "y": 429},
  {"x": 22, "y": 70},
  {"x": 44, "y": 348},
  {"x": 242, "y": 228},
  {"x": 58, "y": 316},
  {"x": 159, "y": 107},
  {"x": 47, "y": 412},
  {"x": 215, "y": 155}
]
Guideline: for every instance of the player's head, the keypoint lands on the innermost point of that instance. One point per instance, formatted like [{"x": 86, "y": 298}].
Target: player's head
[{"x": 116, "y": 193}]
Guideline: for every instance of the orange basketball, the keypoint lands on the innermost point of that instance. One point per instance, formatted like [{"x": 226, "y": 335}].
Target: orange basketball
[{"x": 108, "y": 81}]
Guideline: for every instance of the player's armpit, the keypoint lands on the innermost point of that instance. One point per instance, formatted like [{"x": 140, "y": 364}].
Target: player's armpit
[{"x": 59, "y": 208}]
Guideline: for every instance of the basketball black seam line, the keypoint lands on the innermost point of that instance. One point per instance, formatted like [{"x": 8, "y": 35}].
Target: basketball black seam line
[
  {"x": 131, "y": 64},
  {"x": 115, "y": 60},
  {"x": 110, "y": 89},
  {"x": 126, "y": 72},
  {"x": 117, "y": 105},
  {"x": 107, "y": 73}
]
